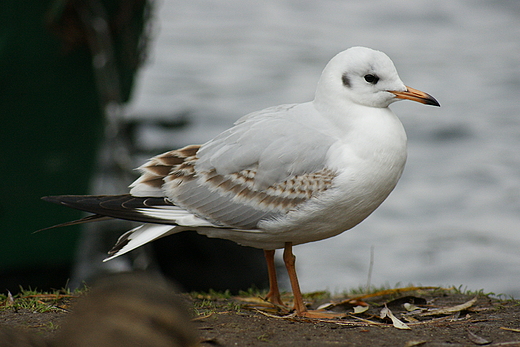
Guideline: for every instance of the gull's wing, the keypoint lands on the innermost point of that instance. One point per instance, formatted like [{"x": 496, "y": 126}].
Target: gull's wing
[
  {"x": 266, "y": 165},
  {"x": 278, "y": 142}
]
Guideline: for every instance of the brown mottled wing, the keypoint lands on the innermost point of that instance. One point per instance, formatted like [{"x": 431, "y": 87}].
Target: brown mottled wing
[
  {"x": 233, "y": 201},
  {"x": 156, "y": 169}
]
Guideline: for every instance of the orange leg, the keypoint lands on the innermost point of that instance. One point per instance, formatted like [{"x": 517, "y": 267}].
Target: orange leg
[
  {"x": 274, "y": 293},
  {"x": 299, "y": 305},
  {"x": 290, "y": 261}
]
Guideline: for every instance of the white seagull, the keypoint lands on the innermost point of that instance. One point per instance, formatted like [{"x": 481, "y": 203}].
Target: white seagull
[{"x": 282, "y": 176}]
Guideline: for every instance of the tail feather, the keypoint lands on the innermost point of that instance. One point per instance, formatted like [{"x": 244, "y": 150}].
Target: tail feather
[
  {"x": 162, "y": 218},
  {"x": 139, "y": 236},
  {"x": 87, "y": 219},
  {"x": 123, "y": 206}
]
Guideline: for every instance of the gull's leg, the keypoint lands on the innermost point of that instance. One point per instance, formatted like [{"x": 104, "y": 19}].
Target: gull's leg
[
  {"x": 274, "y": 293},
  {"x": 290, "y": 260},
  {"x": 299, "y": 305}
]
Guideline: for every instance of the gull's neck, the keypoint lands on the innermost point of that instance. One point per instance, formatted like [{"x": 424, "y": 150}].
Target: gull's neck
[{"x": 345, "y": 115}]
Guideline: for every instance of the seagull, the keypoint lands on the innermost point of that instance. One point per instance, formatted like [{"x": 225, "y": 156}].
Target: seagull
[{"x": 280, "y": 177}]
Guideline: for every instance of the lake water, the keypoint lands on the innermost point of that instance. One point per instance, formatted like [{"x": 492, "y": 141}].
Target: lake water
[{"x": 454, "y": 218}]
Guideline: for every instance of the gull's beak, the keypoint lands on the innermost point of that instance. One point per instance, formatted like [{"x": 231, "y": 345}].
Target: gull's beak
[{"x": 416, "y": 95}]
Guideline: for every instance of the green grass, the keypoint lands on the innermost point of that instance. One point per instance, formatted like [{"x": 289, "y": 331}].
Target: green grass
[
  {"x": 211, "y": 295},
  {"x": 207, "y": 303},
  {"x": 38, "y": 301},
  {"x": 480, "y": 292}
]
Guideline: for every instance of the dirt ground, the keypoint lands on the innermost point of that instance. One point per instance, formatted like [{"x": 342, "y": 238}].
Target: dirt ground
[{"x": 470, "y": 319}]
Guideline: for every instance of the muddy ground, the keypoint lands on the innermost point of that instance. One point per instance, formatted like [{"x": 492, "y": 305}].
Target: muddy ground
[{"x": 464, "y": 319}]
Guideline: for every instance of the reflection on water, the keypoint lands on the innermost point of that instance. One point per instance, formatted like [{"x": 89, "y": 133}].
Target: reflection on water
[{"x": 454, "y": 217}]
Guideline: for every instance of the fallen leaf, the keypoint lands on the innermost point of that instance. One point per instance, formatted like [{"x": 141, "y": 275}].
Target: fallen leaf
[
  {"x": 346, "y": 304},
  {"x": 252, "y": 299},
  {"x": 452, "y": 309},
  {"x": 511, "y": 329},
  {"x": 394, "y": 291},
  {"x": 385, "y": 312},
  {"x": 410, "y": 319},
  {"x": 365, "y": 322},
  {"x": 326, "y": 306},
  {"x": 410, "y": 307},
  {"x": 360, "y": 309},
  {"x": 414, "y": 343},
  {"x": 478, "y": 340}
]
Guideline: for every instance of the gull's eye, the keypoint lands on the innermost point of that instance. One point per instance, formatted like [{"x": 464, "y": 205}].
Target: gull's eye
[{"x": 371, "y": 78}]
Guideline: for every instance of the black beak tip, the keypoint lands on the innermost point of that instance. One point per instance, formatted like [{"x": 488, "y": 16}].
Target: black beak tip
[{"x": 432, "y": 101}]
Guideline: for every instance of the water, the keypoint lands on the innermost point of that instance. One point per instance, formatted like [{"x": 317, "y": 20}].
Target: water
[{"x": 454, "y": 218}]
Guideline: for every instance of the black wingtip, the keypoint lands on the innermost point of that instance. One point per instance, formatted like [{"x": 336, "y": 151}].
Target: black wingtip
[
  {"x": 55, "y": 199},
  {"x": 87, "y": 219},
  {"x": 123, "y": 206},
  {"x": 64, "y": 199}
]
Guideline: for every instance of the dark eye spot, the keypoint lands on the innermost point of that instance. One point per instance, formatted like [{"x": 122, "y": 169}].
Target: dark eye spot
[
  {"x": 371, "y": 78},
  {"x": 346, "y": 80}
]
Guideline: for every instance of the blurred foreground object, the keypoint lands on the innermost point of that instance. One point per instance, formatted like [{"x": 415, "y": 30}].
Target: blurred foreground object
[
  {"x": 120, "y": 310},
  {"x": 128, "y": 310},
  {"x": 20, "y": 338}
]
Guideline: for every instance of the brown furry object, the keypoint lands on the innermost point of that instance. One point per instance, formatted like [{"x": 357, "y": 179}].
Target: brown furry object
[{"x": 128, "y": 310}]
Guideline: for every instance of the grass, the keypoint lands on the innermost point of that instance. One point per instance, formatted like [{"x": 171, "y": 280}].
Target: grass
[
  {"x": 206, "y": 307},
  {"x": 39, "y": 301},
  {"x": 206, "y": 303},
  {"x": 211, "y": 295},
  {"x": 506, "y": 299}
]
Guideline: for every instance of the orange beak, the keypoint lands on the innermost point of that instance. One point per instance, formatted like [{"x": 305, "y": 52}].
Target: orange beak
[{"x": 416, "y": 95}]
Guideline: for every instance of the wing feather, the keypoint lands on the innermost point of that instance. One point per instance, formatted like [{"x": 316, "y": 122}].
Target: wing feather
[{"x": 137, "y": 237}]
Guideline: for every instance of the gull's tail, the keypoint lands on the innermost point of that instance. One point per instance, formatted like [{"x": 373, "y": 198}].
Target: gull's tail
[
  {"x": 162, "y": 218},
  {"x": 124, "y": 206}
]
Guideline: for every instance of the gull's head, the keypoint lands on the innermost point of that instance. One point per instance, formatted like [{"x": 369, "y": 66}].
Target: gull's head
[{"x": 365, "y": 77}]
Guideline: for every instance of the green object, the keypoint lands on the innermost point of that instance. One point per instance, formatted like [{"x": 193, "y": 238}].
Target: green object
[{"x": 51, "y": 124}]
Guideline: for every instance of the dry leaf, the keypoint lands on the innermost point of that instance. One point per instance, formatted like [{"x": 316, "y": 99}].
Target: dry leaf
[
  {"x": 511, "y": 329},
  {"x": 477, "y": 339},
  {"x": 326, "y": 306},
  {"x": 347, "y": 304},
  {"x": 385, "y": 312},
  {"x": 452, "y": 309},
  {"x": 393, "y": 292},
  {"x": 410, "y": 307},
  {"x": 414, "y": 343},
  {"x": 410, "y": 319},
  {"x": 360, "y": 309},
  {"x": 251, "y": 299}
]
